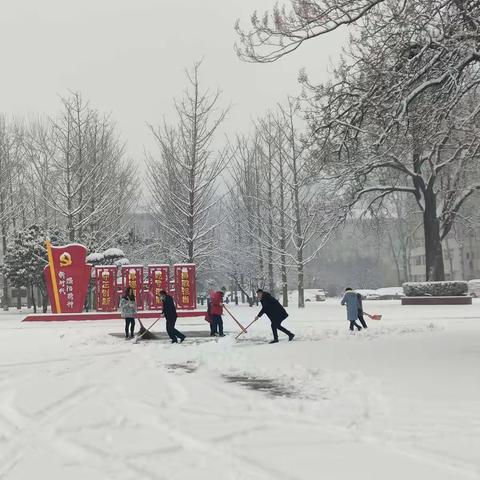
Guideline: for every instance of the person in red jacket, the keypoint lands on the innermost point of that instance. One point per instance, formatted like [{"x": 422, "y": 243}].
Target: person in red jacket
[{"x": 216, "y": 312}]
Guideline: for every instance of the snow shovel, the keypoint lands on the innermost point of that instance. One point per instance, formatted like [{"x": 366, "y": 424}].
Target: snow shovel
[
  {"x": 373, "y": 317},
  {"x": 244, "y": 330},
  {"x": 142, "y": 333}
]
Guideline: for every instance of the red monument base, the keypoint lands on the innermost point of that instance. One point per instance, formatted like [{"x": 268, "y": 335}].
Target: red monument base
[{"x": 87, "y": 316}]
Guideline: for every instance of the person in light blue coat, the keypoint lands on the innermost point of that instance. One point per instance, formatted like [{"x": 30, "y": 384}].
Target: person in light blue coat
[{"x": 350, "y": 299}]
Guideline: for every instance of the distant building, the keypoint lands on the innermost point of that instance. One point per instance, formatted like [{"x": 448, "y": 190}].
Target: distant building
[{"x": 461, "y": 257}]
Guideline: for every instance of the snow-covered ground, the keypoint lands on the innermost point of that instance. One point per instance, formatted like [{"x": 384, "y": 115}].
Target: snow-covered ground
[{"x": 398, "y": 401}]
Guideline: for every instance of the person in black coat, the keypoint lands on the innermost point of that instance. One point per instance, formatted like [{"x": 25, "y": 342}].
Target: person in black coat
[
  {"x": 275, "y": 312},
  {"x": 170, "y": 314}
]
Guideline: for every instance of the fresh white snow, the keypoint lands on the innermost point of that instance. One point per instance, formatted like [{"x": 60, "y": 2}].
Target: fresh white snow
[
  {"x": 95, "y": 257},
  {"x": 400, "y": 400}
]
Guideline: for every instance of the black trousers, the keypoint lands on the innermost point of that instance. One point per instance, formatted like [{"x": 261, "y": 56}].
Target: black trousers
[
  {"x": 216, "y": 324},
  {"x": 362, "y": 320},
  {"x": 353, "y": 323},
  {"x": 173, "y": 333},
  {"x": 129, "y": 324},
  {"x": 213, "y": 325},
  {"x": 276, "y": 325}
]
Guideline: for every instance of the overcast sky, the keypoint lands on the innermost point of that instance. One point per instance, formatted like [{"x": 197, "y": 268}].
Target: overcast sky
[{"x": 128, "y": 58}]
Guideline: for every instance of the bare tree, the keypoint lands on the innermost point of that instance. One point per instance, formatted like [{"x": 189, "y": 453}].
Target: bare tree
[
  {"x": 283, "y": 203},
  {"x": 183, "y": 179},
  {"x": 248, "y": 211},
  {"x": 84, "y": 177},
  {"x": 395, "y": 109},
  {"x": 313, "y": 216},
  {"x": 12, "y": 194},
  {"x": 425, "y": 153}
]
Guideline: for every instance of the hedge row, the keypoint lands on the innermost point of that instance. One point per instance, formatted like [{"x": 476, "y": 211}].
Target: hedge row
[{"x": 435, "y": 289}]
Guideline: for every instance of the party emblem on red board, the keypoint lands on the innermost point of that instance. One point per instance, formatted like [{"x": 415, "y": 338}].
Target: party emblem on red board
[{"x": 67, "y": 277}]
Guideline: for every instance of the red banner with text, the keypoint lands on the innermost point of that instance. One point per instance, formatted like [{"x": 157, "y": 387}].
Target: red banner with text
[
  {"x": 185, "y": 286},
  {"x": 70, "y": 279},
  {"x": 158, "y": 279},
  {"x": 132, "y": 276},
  {"x": 106, "y": 288}
]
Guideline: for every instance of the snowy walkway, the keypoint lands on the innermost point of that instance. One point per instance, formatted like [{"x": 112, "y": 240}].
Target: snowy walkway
[{"x": 400, "y": 400}]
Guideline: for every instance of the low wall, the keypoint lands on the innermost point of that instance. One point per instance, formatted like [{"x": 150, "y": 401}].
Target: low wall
[{"x": 427, "y": 300}]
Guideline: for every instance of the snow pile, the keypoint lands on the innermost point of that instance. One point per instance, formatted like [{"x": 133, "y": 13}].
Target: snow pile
[{"x": 394, "y": 292}]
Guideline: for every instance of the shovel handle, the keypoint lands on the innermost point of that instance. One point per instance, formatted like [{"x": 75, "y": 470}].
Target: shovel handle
[
  {"x": 246, "y": 328},
  {"x": 235, "y": 320}
]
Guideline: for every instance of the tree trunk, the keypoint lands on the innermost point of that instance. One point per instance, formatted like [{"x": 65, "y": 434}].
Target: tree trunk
[
  {"x": 299, "y": 244},
  {"x": 283, "y": 239},
  {"x": 284, "y": 281},
  {"x": 34, "y": 303},
  {"x": 300, "y": 280},
  {"x": 259, "y": 219},
  {"x": 29, "y": 296},
  {"x": 19, "y": 298},
  {"x": 242, "y": 292},
  {"x": 435, "y": 270},
  {"x": 271, "y": 281},
  {"x": 44, "y": 296},
  {"x": 5, "y": 299}
]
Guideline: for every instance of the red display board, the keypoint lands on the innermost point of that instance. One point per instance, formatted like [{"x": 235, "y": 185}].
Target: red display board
[
  {"x": 158, "y": 279},
  {"x": 68, "y": 286},
  {"x": 185, "y": 286},
  {"x": 106, "y": 288},
  {"x": 132, "y": 276}
]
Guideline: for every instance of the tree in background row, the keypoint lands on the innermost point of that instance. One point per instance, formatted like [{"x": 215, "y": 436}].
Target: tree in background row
[
  {"x": 68, "y": 173},
  {"x": 283, "y": 207},
  {"x": 401, "y": 115},
  {"x": 183, "y": 178}
]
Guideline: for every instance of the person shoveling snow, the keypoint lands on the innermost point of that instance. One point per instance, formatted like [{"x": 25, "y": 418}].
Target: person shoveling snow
[
  {"x": 145, "y": 333},
  {"x": 275, "y": 312},
  {"x": 170, "y": 314},
  {"x": 350, "y": 300},
  {"x": 128, "y": 309}
]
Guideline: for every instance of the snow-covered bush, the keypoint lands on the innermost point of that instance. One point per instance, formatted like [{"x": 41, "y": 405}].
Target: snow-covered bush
[
  {"x": 96, "y": 258},
  {"x": 113, "y": 253},
  {"x": 435, "y": 289}
]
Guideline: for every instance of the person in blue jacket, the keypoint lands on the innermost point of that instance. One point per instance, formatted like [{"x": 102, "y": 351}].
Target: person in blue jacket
[{"x": 350, "y": 299}]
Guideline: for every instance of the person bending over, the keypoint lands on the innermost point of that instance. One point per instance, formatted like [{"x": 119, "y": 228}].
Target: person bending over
[
  {"x": 170, "y": 314},
  {"x": 275, "y": 312}
]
